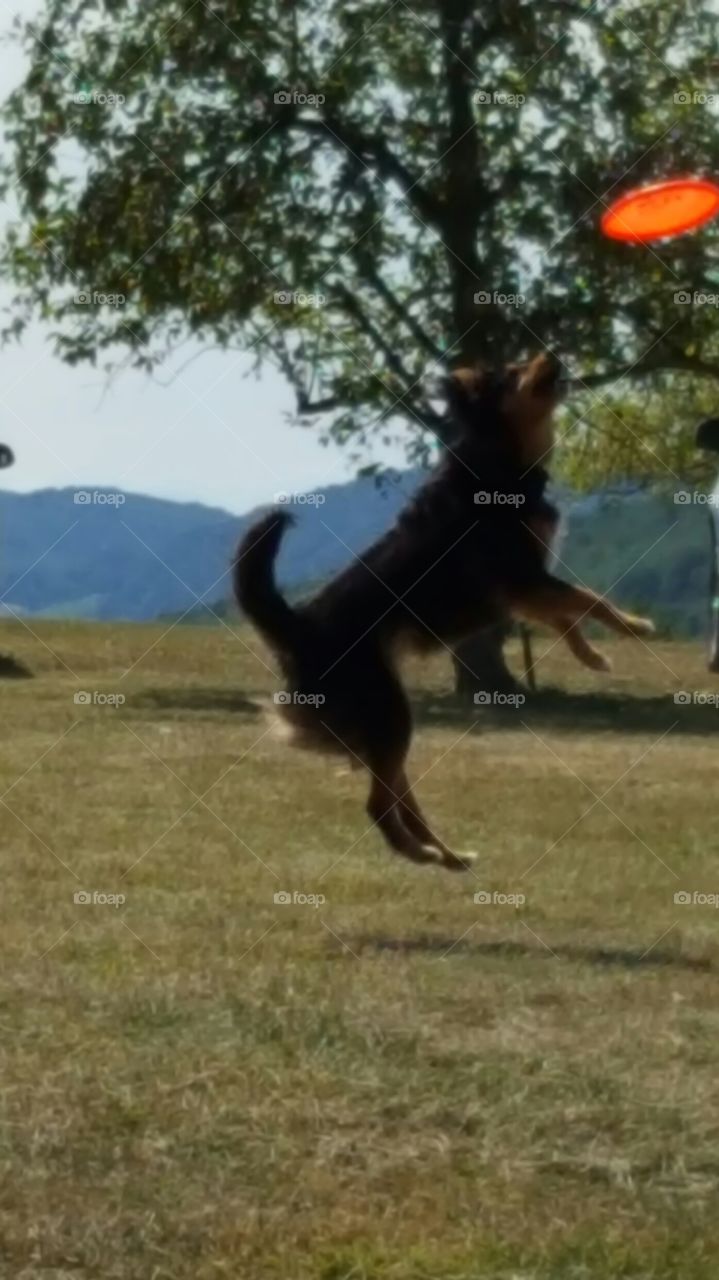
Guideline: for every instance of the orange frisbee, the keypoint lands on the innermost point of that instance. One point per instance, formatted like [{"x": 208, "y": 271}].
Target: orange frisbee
[{"x": 663, "y": 209}]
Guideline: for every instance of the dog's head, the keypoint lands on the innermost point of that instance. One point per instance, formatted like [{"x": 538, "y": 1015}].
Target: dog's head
[{"x": 510, "y": 408}]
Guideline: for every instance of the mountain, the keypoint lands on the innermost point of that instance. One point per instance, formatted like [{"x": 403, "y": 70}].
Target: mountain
[
  {"x": 141, "y": 558},
  {"x": 128, "y": 556},
  {"x": 647, "y": 551}
]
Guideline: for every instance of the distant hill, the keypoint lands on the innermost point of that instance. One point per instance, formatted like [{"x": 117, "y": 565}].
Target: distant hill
[
  {"x": 149, "y": 557},
  {"x": 644, "y": 550},
  {"x": 648, "y": 552}
]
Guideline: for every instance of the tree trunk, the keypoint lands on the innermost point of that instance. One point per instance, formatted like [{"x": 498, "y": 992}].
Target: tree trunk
[
  {"x": 714, "y": 587},
  {"x": 479, "y": 663}
]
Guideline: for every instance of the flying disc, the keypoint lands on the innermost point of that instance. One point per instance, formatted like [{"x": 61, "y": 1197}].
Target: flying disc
[{"x": 663, "y": 209}]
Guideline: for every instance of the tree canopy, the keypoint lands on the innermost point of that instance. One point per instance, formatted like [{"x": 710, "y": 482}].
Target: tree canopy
[{"x": 359, "y": 193}]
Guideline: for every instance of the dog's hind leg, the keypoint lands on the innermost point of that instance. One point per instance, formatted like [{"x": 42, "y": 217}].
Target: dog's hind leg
[
  {"x": 383, "y": 730},
  {"x": 387, "y": 731},
  {"x": 417, "y": 823},
  {"x": 391, "y": 804},
  {"x": 384, "y": 807}
]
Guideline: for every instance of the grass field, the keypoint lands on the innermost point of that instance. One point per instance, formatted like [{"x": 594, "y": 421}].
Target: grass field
[{"x": 398, "y": 1083}]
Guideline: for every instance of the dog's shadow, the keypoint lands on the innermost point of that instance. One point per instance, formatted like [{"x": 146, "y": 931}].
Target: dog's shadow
[
  {"x": 582, "y": 712},
  {"x": 601, "y": 956}
]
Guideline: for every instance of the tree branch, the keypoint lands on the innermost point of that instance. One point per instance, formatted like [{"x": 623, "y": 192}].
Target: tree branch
[
  {"x": 306, "y": 407},
  {"x": 461, "y": 168},
  {"x": 377, "y": 339},
  {"x": 399, "y": 309},
  {"x": 371, "y": 150},
  {"x": 675, "y": 364}
]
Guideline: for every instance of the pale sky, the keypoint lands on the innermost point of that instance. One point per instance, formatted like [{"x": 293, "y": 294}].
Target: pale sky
[{"x": 211, "y": 437}]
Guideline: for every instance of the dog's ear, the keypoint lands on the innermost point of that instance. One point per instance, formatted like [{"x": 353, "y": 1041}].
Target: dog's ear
[{"x": 707, "y": 436}]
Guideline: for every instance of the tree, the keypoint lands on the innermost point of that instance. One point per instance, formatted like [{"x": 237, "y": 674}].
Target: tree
[
  {"x": 645, "y": 436},
  {"x": 359, "y": 194},
  {"x": 9, "y": 666}
]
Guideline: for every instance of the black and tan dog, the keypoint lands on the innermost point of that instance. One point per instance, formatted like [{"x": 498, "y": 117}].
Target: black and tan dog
[{"x": 469, "y": 550}]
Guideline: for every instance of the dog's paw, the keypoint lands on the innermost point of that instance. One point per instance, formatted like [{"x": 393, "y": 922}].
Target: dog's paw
[
  {"x": 428, "y": 853},
  {"x": 642, "y": 626},
  {"x": 599, "y": 662},
  {"x": 460, "y": 861}
]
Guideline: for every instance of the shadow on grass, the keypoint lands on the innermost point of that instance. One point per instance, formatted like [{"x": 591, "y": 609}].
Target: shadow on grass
[
  {"x": 609, "y": 957},
  {"x": 581, "y": 711},
  {"x": 12, "y": 669},
  {"x": 226, "y": 701}
]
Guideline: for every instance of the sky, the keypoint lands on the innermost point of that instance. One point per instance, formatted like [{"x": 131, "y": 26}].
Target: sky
[{"x": 212, "y": 436}]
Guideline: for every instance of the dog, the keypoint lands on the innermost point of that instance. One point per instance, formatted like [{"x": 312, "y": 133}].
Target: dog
[
  {"x": 544, "y": 518},
  {"x": 468, "y": 551}
]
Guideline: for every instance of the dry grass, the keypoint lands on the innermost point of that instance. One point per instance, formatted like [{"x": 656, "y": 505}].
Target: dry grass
[{"x": 399, "y": 1083}]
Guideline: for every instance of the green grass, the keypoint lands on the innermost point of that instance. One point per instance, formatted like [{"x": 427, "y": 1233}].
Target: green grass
[{"x": 398, "y": 1084}]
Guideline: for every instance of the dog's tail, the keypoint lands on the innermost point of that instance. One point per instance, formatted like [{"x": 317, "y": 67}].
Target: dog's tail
[{"x": 254, "y": 581}]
